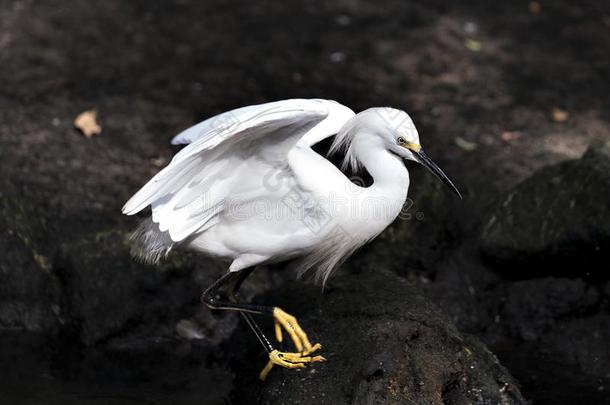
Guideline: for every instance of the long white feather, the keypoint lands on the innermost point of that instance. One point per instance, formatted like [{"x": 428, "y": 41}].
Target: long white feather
[{"x": 188, "y": 194}]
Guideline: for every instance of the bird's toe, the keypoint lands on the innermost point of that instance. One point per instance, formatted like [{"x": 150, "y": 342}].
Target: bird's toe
[
  {"x": 289, "y": 323},
  {"x": 288, "y": 360}
]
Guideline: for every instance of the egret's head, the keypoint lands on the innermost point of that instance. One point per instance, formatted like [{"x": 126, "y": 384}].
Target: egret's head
[
  {"x": 404, "y": 142},
  {"x": 393, "y": 130}
]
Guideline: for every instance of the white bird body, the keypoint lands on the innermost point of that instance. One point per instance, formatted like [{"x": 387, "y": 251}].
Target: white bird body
[{"x": 249, "y": 188}]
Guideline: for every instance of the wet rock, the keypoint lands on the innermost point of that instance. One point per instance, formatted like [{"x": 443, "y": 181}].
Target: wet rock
[
  {"x": 582, "y": 343},
  {"x": 385, "y": 344},
  {"x": 534, "y": 307},
  {"x": 30, "y": 294},
  {"x": 567, "y": 319},
  {"x": 557, "y": 222}
]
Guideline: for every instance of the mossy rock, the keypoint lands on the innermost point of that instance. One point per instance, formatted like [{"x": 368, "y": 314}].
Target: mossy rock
[
  {"x": 557, "y": 222},
  {"x": 30, "y": 294}
]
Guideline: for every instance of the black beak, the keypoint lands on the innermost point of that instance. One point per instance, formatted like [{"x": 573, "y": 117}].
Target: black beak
[{"x": 433, "y": 167}]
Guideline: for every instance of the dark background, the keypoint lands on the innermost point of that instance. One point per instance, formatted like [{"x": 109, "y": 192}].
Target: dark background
[{"x": 497, "y": 90}]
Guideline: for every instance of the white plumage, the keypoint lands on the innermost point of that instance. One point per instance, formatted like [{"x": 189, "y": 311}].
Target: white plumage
[{"x": 249, "y": 188}]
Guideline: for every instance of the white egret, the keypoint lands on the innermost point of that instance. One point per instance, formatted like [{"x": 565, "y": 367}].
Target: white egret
[{"x": 248, "y": 188}]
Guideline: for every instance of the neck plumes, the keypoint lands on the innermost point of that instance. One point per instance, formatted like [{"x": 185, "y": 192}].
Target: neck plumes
[{"x": 384, "y": 199}]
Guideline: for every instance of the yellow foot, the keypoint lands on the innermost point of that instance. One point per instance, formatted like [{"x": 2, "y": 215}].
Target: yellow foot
[
  {"x": 298, "y": 336},
  {"x": 287, "y": 322},
  {"x": 289, "y": 360}
]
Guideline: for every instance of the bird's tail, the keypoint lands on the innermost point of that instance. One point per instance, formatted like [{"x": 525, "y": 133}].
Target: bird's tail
[{"x": 148, "y": 244}]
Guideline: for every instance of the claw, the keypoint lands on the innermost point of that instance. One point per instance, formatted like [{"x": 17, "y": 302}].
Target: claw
[
  {"x": 292, "y": 327},
  {"x": 288, "y": 360}
]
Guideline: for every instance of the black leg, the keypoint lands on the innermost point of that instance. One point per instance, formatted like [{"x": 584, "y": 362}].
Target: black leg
[
  {"x": 241, "y": 276},
  {"x": 233, "y": 281},
  {"x": 230, "y": 283},
  {"x": 213, "y": 300}
]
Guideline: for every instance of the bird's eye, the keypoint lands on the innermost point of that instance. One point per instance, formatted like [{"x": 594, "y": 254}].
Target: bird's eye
[{"x": 401, "y": 140}]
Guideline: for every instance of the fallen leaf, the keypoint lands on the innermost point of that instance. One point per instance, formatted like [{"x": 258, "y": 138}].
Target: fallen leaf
[
  {"x": 86, "y": 122},
  {"x": 473, "y": 44},
  {"x": 464, "y": 144},
  {"x": 560, "y": 115}
]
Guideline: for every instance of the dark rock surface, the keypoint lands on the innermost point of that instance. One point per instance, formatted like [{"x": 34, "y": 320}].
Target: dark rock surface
[
  {"x": 553, "y": 225},
  {"x": 108, "y": 294},
  {"x": 568, "y": 319},
  {"x": 535, "y": 306},
  {"x": 30, "y": 296},
  {"x": 385, "y": 344},
  {"x": 557, "y": 221},
  {"x": 114, "y": 301}
]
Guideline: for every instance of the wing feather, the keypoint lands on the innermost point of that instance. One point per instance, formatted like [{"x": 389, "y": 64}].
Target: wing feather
[{"x": 188, "y": 195}]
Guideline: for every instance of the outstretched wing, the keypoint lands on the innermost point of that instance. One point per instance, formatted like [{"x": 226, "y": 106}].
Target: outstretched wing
[{"x": 188, "y": 195}]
